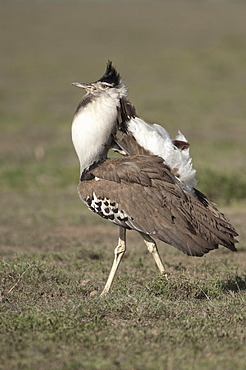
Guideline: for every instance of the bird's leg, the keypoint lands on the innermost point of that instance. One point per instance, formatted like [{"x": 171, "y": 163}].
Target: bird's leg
[
  {"x": 152, "y": 248},
  {"x": 118, "y": 254}
]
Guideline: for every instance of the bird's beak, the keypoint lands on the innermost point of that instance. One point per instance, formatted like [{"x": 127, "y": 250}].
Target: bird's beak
[{"x": 83, "y": 85}]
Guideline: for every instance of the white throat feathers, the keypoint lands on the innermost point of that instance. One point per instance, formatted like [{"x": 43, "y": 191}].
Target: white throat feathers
[{"x": 92, "y": 128}]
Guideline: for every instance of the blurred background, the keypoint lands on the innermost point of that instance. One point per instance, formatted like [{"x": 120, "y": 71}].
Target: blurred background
[{"x": 185, "y": 66}]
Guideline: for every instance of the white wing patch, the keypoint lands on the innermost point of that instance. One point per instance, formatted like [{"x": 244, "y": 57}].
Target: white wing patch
[{"x": 157, "y": 140}]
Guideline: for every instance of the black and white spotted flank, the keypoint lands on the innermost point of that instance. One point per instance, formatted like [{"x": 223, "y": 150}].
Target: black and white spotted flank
[{"x": 108, "y": 209}]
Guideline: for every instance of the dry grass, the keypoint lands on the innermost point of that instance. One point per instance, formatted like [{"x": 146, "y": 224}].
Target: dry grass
[{"x": 184, "y": 63}]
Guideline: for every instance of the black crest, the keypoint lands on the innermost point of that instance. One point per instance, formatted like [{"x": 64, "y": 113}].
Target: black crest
[{"x": 111, "y": 76}]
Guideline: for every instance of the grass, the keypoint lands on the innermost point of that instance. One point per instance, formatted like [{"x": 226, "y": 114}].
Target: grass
[
  {"x": 184, "y": 63},
  {"x": 51, "y": 317}
]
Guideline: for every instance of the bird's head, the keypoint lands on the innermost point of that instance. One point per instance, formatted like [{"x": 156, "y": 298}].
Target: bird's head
[{"x": 110, "y": 83}]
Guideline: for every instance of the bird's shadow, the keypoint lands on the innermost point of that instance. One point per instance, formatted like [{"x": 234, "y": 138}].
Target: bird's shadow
[{"x": 235, "y": 284}]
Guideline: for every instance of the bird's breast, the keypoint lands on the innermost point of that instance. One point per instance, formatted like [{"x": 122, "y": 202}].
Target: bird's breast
[{"x": 92, "y": 128}]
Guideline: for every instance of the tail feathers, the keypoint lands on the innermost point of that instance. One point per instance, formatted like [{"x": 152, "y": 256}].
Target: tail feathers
[
  {"x": 192, "y": 245},
  {"x": 195, "y": 244},
  {"x": 128, "y": 144},
  {"x": 211, "y": 224},
  {"x": 199, "y": 228},
  {"x": 219, "y": 216},
  {"x": 126, "y": 111}
]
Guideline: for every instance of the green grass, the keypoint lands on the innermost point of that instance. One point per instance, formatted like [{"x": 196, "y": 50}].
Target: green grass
[
  {"x": 51, "y": 319},
  {"x": 184, "y": 63}
]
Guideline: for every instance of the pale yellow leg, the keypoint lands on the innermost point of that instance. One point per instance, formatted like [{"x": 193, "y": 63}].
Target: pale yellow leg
[
  {"x": 118, "y": 254},
  {"x": 152, "y": 248}
]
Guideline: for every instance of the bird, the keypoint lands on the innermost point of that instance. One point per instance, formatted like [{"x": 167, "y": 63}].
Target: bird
[
  {"x": 155, "y": 139},
  {"x": 142, "y": 190}
]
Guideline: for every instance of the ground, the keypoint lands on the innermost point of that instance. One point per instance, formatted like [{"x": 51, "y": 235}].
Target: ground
[{"x": 184, "y": 63}]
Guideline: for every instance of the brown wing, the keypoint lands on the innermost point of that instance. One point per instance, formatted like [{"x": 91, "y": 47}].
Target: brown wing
[{"x": 140, "y": 193}]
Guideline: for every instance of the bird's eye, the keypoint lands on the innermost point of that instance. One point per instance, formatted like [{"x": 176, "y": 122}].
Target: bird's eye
[{"x": 104, "y": 86}]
